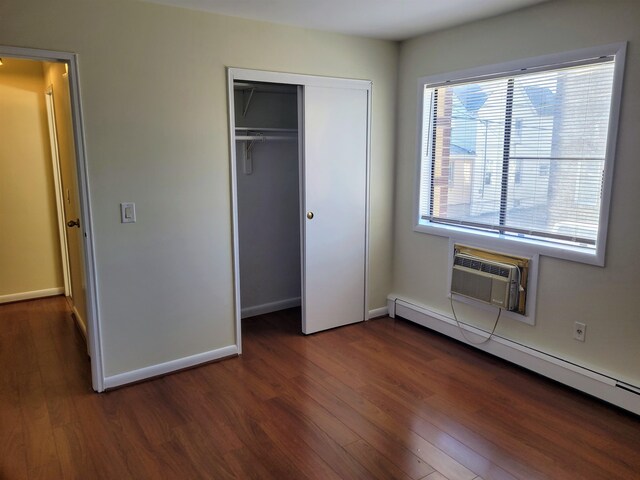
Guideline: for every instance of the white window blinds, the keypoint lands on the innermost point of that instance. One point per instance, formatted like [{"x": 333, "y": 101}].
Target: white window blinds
[{"x": 519, "y": 154}]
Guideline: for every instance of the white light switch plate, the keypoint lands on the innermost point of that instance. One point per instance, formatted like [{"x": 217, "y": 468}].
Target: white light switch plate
[{"x": 128, "y": 212}]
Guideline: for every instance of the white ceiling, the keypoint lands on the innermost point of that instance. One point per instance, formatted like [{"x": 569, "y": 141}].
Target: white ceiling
[{"x": 386, "y": 19}]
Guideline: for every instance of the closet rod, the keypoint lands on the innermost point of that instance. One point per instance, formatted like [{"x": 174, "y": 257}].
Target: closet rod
[
  {"x": 263, "y": 138},
  {"x": 266, "y": 129}
]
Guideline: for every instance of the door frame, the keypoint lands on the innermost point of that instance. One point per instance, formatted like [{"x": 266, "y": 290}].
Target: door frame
[
  {"x": 300, "y": 80},
  {"x": 94, "y": 339}
]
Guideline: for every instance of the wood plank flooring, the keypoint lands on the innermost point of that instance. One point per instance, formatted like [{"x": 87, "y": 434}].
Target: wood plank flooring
[{"x": 383, "y": 399}]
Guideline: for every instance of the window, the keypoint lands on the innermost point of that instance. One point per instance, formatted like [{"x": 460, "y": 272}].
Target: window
[{"x": 537, "y": 148}]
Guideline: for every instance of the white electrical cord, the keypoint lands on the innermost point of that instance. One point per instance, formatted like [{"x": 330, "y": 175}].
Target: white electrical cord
[{"x": 462, "y": 330}]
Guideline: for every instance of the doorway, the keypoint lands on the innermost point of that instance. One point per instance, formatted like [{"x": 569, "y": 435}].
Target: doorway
[
  {"x": 50, "y": 179},
  {"x": 300, "y": 167},
  {"x": 267, "y": 173}
]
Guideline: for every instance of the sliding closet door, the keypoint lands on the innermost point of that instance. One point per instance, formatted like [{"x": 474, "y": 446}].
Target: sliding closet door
[{"x": 335, "y": 190}]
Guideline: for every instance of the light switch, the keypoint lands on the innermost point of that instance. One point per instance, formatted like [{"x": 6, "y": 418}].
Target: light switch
[{"x": 128, "y": 212}]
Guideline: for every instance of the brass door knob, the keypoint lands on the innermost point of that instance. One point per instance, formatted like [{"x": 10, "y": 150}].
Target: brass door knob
[{"x": 309, "y": 215}]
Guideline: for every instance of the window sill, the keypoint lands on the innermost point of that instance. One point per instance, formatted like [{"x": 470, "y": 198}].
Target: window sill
[{"x": 514, "y": 245}]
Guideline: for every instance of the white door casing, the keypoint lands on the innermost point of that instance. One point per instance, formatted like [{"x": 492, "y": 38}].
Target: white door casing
[{"x": 84, "y": 207}]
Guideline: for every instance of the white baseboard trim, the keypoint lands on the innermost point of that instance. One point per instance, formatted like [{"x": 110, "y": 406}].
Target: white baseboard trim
[
  {"x": 270, "y": 307},
  {"x": 601, "y": 386},
  {"x": 168, "y": 367},
  {"x": 79, "y": 321},
  {"x": 17, "y": 297},
  {"x": 378, "y": 312}
]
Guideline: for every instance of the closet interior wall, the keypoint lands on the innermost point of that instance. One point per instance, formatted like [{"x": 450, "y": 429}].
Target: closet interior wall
[{"x": 268, "y": 196}]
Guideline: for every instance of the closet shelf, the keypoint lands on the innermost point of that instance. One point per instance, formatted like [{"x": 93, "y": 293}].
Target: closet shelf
[
  {"x": 251, "y": 88},
  {"x": 265, "y": 87}
]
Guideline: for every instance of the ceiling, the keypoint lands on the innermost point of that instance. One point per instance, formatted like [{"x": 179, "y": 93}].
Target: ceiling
[{"x": 385, "y": 19}]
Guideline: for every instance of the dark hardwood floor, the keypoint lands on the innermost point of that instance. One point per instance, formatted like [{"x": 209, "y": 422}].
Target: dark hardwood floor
[{"x": 383, "y": 399}]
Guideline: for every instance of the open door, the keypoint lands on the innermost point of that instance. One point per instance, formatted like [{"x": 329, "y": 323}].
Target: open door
[
  {"x": 58, "y": 189},
  {"x": 334, "y": 206},
  {"x": 61, "y": 122}
]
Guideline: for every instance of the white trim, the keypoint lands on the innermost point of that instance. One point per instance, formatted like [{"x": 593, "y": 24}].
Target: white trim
[
  {"x": 506, "y": 243},
  {"x": 168, "y": 367},
  {"x": 80, "y": 322},
  {"x": 367, "y": 205},
  {"x": 578, "y": 377},
  {"x": 94, "y": 330},
  {"x": 378, "y": 312},
  {"x": 57, "y": 186},
  {"x": 589, "y": 256},
  {"x": 270, "y": 307},
  {"x": 295, "y": 79},
  {"x": 553, "y": 59},
  {"x": 234, "y": 211},
  {"x": 303, "y": 205},
  {"x": 18, "y": 297},
  {"x": 612, "y": 142},
  {"x": 93, "y": 320}
]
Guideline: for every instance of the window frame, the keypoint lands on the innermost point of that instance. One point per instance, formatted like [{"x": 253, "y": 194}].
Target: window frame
[{"x": 588, "y": 255}]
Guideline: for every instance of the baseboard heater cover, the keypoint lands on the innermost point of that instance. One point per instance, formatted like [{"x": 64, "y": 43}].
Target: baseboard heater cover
[
  {"x": 588, "y": 381},
  {"x": 628, "y": 388}
]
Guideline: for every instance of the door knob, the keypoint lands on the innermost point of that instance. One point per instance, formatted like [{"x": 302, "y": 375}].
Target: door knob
[
  {"x": 74, "y": 223},
  {"x": 309, "y": 215}
]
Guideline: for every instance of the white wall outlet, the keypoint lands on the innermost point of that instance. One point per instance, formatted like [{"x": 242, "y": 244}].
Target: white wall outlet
[
  {"x": 128, "y": 212},
  {"x": 579, "y": 331}
]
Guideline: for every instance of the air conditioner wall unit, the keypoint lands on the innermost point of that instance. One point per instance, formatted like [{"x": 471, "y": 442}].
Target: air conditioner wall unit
[{"x": 488, "y": 281}]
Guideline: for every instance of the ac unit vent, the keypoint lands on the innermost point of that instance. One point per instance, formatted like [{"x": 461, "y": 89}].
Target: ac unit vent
[
  {"x": 481, "y": 265},
  {"x": 485, "y": 280}
]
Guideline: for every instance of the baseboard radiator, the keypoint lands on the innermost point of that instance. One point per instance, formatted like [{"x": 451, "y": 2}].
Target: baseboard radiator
[{"x": 599, "y": 385}]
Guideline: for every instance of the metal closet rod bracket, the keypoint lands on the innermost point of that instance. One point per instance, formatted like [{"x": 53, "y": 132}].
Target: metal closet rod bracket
[
  {"x": 247, "y": 102},
  {"x": 249, "y": 145}
]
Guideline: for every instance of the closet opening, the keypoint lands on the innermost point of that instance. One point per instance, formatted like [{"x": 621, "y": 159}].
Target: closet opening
[
  {"x": 268, "y": 182},
  {"x": 299, "y": 194}
]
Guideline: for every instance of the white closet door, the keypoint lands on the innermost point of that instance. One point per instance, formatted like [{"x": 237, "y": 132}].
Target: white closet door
[{"x": 335, "y": 176}]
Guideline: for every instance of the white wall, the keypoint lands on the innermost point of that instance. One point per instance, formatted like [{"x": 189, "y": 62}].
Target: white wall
[
  {"x": 153, "y": 88},
  {"x": 603, "y": 298},
  {"x": 29, "y": 242}
]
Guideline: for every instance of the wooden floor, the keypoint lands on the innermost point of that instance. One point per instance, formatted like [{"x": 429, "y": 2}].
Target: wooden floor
[{"x": 378, "y": 400}]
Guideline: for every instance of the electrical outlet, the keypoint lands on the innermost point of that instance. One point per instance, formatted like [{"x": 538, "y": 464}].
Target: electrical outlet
[{"x": 579, "y": 331}]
